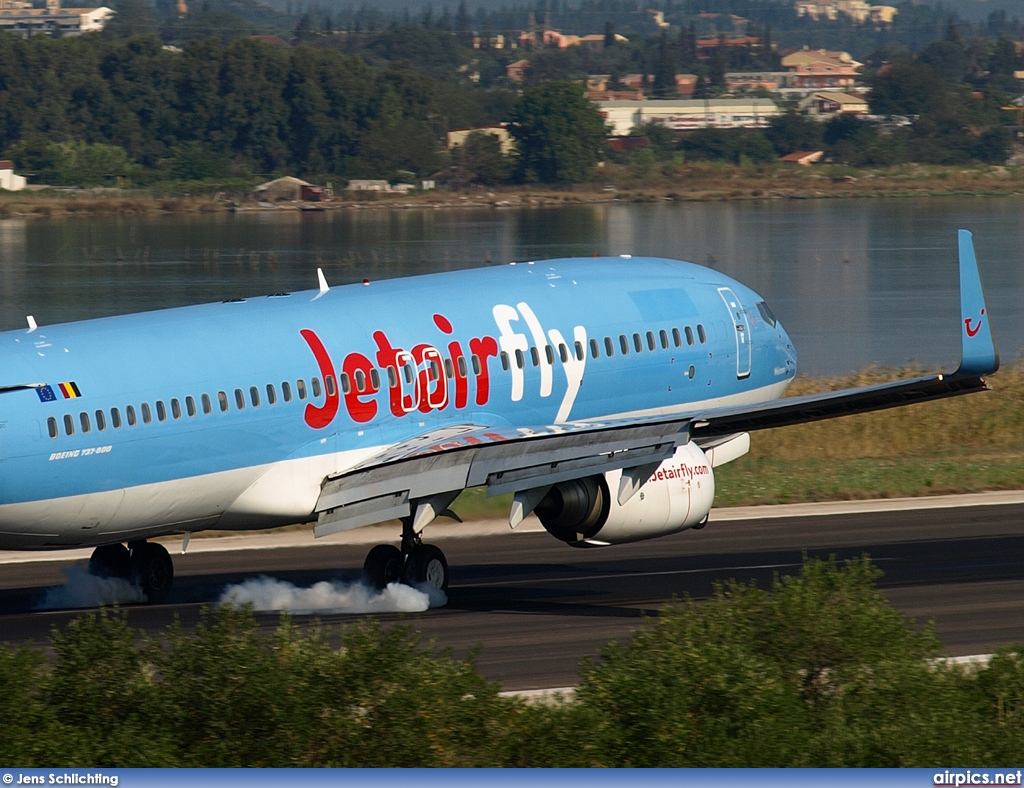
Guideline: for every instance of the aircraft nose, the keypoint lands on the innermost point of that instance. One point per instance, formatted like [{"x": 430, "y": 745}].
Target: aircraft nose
[{"x": 787, "y": 348}]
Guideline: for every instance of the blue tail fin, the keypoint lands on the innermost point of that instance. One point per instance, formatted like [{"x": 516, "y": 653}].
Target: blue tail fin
[{"x": 979, "y": 355}]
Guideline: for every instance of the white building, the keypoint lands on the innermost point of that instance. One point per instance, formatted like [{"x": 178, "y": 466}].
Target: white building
[
  {"x": 8, "y": 180},
  {"x": 680, "y": 115},
  {"x": 53, "y": 20}
]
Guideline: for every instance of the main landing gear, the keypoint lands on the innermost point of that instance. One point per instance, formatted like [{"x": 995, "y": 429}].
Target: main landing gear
[
  {"x": 146, "y": 564},
  {"x": 413, "y": 564}
]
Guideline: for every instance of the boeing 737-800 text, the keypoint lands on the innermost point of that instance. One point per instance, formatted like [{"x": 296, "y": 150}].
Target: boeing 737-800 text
[{"x": 600, "y": 392}]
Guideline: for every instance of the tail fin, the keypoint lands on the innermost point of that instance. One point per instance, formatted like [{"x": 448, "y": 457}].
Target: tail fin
[{"x": 979, "y": 355}]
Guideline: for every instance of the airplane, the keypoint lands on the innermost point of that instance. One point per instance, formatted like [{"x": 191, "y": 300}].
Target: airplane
[{"x": 600, "y": 392}]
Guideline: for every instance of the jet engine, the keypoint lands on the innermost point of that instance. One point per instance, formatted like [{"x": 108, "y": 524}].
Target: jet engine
[{"x": 678, "y": 495}]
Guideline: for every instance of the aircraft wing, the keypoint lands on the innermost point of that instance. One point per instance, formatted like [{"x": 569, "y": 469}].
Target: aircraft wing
[{"x": 420, "y": 478}]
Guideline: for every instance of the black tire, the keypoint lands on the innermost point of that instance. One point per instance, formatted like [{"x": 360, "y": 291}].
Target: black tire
[
  {"x": 110, "y": 560},
  {"x": 383, "y": 566},
  {"x": 152, "y": 570},
  {"x": 427, "y": 564}
]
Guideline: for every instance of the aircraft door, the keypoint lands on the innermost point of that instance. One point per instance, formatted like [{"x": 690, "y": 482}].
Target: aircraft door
[{"x": 741, "y": 327}]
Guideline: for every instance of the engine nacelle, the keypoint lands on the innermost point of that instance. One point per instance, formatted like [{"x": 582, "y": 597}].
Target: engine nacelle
[{"x": 586, "y": 513}]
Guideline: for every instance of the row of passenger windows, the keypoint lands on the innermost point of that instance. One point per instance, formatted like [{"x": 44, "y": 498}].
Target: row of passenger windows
[
  {"x": 102, "y": 420},
  {"x": 626, "y": 344},
  {"x": 360, "y": 379}
]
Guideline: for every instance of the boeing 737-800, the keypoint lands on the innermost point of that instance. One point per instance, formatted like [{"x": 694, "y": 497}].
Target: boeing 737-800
[{"x": 600, "y": 392}]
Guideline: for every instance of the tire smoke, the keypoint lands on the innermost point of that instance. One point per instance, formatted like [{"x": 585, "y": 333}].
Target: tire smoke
[
  {"x": 269, "y": 594},
  {"x": 85, "y": 590}
]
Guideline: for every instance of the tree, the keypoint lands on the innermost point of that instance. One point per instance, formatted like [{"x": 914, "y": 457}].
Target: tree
[
  {"x": 559, "y": 133},
  {"x": 609, "y": 34},
  {"x": 481, "y": 157},
  {"x": 792, "y": 132}
]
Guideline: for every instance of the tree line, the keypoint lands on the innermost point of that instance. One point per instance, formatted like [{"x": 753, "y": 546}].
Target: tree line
[
  {"x": 213, "y": 109},
  {"x": 818, "y": 670}
]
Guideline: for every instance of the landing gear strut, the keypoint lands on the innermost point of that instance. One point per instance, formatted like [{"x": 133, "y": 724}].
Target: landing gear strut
[
  {"x": 146, "y": 564},
  {"x": 413, "y": 564}
]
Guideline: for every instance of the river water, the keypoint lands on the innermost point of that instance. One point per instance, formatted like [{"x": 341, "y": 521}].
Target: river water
[{"x": 855, "y": 282}]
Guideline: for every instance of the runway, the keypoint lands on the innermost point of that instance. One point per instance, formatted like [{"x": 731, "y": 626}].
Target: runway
[{"x": 536, "y": 607}]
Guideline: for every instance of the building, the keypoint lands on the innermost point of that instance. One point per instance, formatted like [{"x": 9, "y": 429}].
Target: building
[
  {"x": 684, "y": 115},
  {"x": 857, "y": 10},
  {"x": 52, "y": 21},
  {"x": 829, "y": 103},
  {"x": 8, "y": 180},
  {"x": 365, "y": 185},
  {"x": 517, "y": 71},
  {"x": 771, "y": 81},
  {"x": 286, "y": 188},
  {"x": 805, "y": 158},
  {"x": 457, "y": 137},
  {"x": 819, "y": 68}
]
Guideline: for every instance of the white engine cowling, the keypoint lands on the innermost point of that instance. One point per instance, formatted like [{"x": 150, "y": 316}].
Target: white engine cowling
[{"x": 585, "y": 512}]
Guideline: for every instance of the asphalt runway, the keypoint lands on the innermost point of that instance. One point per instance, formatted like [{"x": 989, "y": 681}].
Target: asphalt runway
[{"x": 536, "y": 607}]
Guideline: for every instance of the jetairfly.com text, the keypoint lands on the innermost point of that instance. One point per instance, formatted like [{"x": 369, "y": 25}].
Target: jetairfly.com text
[
  {"x": 968, "y": 777},
  {"x": 67, "y": 778}
]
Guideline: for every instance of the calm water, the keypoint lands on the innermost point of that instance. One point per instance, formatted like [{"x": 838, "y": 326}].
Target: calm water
[{"x": 855, "y": 282}]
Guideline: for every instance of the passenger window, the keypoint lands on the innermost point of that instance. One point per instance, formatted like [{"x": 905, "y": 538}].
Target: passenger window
[
  {"x": 222, "y": 397},
  {"x": 701, "y": 335},
  {"x": 476, "y": 364},
  {"x": 360, "y": 380},
  {"x": 638, "y": 343},
  {"x": 115, "y": 418},
  {"x": 449, "y": 368},
  {"x": 408, "y": 374},
  {"x": 663, "y": 336},
  {"x": 375, "y": 379},
  {"x": 147, "y": 416},
  {"x": 190, "y": 407},
  {"x": 286, "y": 391},
  {"x": 580, "y": 352},
  {"x": 239, "y": 399},
  {"x": 609, "y": 348},
  {"x": 69, "y": 424},
  {"x": 676, "y": 339},
  {"x": 254, "y": 396},
  {"x": 51, "y": 426},
  {"x": 161, "y": 411},
  {"x": 392, "y": 378},
  {"x": 691, "y": 372},
  {"x": 101, "y": 420},
  {"x": 549, "y": 353},
  {"x": 84, "y": 417},
  {"x": 130, "y": 413},
  {"x": 463, "y": 372},
  {"x": 520, "y": 361},
  {"x": 316, "y": 386},
  {"x": 689, "y": 335},
  {"x": 175, "y": 409},
  {"x": 624, "y": 344},
  {"x": 300, "y": 388},
  {"x": 271, "y": 394},
  {"x": 563, "y": 352},
  {"x": 650, "y": 340},
  {"x": 504, "y": 361},
  {"x": 207, "y": 405},
  {"x": 595, "y": 349},
  {"x": 329, "y": 383},
  {"x": 346, "y": 383},
  {"x": 535, "y": 356}
]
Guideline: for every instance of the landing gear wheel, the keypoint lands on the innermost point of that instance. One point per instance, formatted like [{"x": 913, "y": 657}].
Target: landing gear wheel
[
  {"x": 383, "y": 566},
  {"x": 701, "y": 524},
  {"x": 152, "y": 569},
  {"x": 110, "y": 560},
  {"x": 427, "y": 564}
]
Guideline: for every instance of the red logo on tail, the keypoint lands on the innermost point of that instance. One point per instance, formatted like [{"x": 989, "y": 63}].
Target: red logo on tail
[{"x": 967, "y": 324}]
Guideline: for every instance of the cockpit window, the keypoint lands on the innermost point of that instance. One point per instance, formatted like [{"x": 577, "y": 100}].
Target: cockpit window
[{"x": 766, "y": 313}]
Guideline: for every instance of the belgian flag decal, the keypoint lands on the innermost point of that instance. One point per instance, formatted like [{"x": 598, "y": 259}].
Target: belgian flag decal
[{"x": 70, "y": 390}]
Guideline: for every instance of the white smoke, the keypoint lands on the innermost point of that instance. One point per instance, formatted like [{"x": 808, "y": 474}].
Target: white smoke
[
  {"x": 85, "y": 590},
  {"x": 269, "y": 594}
]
